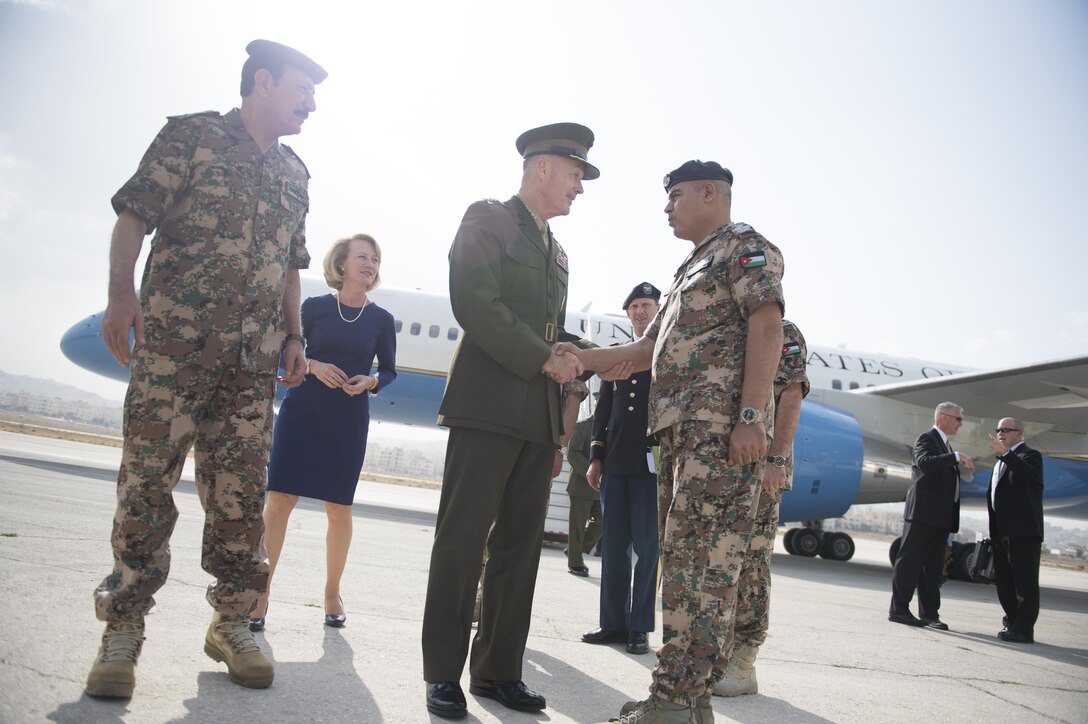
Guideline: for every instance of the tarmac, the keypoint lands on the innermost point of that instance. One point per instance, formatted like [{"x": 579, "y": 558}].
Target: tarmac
[{"x": 831, "y": 656}]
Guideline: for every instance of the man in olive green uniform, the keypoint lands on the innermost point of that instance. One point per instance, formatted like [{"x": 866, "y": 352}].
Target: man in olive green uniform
[
  {"x": 584, "y": 522},
  {"x": 735, "y": 673},
  {"x": 219, "y": 291},
  {"x": 714, "y": 348},
  {"x": 508, "y": 289}
]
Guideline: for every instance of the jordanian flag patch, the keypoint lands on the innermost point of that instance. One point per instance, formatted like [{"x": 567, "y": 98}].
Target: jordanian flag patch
[
  {"x": 753, "y": 259},
  {"x": 789, "y": 349}
]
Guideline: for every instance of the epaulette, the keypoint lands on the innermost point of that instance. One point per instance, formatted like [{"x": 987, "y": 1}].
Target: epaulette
[
  {"x": 291, "y": 152},
  {"x": 492, "y": 201},
  {"x": 183, "y": 116}
]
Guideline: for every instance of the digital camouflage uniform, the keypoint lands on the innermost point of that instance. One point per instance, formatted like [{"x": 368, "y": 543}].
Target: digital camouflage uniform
[
  {"x": 230, "y": 222},
  {"x": 706, "y": 509},
  {"x": 754, "y": 592}
]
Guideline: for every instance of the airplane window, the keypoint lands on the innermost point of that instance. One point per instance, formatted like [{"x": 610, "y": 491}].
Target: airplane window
[
  {"x": 836, "y": 385},
  {"x": 854, "y": 385},
  {"x": 433, "y": 331},
  {"x": 397, "y": 324},
  {"x": 414, "y": 329},
  {"x": 452, "y": 334}
]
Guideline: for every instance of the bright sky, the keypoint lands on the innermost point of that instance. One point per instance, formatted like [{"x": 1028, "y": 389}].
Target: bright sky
[{"x": 922, "y": 165}]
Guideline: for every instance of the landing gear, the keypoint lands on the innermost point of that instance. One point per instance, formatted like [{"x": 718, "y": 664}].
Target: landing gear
[
  {"x": 812, "y": 540},
  {"x": 837, "y": 547}
]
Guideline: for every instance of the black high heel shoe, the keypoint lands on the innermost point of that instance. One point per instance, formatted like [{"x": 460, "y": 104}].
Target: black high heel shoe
[
  {"x": 256, "y": 625},
  {"x": 336, "y": 620}
]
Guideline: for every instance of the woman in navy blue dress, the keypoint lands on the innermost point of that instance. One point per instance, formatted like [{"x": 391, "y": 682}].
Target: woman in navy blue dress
[{"x": 319, "y": 438}]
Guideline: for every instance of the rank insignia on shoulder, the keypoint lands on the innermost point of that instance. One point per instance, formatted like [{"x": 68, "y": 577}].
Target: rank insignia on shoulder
[
  {"x": 561, "y": 260},
  {"x": 753, "y": 259},
  {"x": 789, "y": 349},
  {"x": 492, "y": 201}
]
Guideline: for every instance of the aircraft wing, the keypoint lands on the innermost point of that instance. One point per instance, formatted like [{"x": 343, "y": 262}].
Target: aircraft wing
[{"x": 1049, "y": 397}]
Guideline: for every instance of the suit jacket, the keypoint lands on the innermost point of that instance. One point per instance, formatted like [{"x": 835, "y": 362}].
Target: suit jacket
[
  {"x": 578, "y": 457},
  {"x": 934, "y": 475},
  {"x": 619, "y": 426},
  {"x": 508, "y": 290},
  {"x": 1019, "y": 496}
]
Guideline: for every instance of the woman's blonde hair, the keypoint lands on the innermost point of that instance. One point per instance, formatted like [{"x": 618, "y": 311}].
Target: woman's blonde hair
[{"x": 334, "y": 261}]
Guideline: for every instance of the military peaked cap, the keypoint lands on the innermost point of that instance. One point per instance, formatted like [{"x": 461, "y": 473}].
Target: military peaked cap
[
  {"x": 645, "y": 290},
  {"x": 572, "y": 140},
  {"x": 698, "y": 171},
  {"x": 263, "y": 52}
]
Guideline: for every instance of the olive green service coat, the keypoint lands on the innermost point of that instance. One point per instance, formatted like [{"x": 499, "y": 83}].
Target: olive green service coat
[{"x": 508, "y": 289}]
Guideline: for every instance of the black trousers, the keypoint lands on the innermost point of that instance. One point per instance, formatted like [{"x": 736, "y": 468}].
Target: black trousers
[
  {"x": 495, "y": 493},
  {"x": 919, "y": 565},
  {"x": 1016, "y": 567}
]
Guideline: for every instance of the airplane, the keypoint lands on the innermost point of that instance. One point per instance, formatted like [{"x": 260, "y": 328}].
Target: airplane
[{"x": 854, "y": 438}]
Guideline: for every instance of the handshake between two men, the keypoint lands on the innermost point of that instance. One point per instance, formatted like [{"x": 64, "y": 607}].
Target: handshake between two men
[{"x": 567, "y": 361}]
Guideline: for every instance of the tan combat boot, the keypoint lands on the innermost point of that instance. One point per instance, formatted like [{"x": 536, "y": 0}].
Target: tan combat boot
[
  {"x": 114, "y": 671},
  {"x": 740, "y": 673},
  {"x": 231, "y": 641},
  {"x": 656, "y": 711}
]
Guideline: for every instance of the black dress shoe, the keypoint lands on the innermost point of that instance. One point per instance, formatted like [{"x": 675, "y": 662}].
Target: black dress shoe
[
  {"x": 637, "y": 643},
  {"x": 511, "y": 694},
  {"x": 906, "y": 618},
  {"x": 582, "y": 571},
  {"x": 445, "y": 699},
  {"x": 604, "y": 636},
  {"x": 935, "y": 623},
  {"x": 1015, "y": 637}
]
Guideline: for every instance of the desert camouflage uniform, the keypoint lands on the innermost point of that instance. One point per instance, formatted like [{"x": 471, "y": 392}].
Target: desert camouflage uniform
[
  {"x": 230, "y": 223},
  {"x": 754, "y": 592},
  {"x": 706, "y": 509}
]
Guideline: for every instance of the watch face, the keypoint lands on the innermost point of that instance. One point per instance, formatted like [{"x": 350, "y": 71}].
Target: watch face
[{"x": 748, "y": 415}]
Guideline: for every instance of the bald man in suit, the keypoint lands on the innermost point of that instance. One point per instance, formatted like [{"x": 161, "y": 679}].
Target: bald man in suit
[{"x": 1015, "y": 504}]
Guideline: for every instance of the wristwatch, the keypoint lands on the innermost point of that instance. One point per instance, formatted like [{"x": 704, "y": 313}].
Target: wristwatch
[
  {"x": 779, "y": 461},
  {"x": 749, "y": 415}
]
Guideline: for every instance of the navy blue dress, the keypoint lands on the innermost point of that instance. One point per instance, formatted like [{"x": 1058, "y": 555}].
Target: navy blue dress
[{"x": 319, "y": 437}]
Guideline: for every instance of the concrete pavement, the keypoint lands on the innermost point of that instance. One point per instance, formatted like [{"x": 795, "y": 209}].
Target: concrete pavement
[{"x": 831, "y": 654}]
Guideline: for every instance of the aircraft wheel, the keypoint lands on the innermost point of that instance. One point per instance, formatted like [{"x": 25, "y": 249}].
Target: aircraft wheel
[
  {"x": 837, "y": 547},
  {"x": 787, "y": 541},
  {"x": 806, "y": 542},
  {"x": 893, "y": 549}
]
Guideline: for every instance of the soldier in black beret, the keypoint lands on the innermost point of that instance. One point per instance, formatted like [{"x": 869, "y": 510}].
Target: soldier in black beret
[
  {"x": 714, "y": 350},
  {"x": 621, "y": 467}
]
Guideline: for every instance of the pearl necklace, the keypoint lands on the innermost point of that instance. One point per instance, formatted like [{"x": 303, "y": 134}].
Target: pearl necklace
[{"x": 341, "y": 312}]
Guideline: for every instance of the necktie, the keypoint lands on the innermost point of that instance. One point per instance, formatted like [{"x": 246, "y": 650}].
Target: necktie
[
  {"x": 999, "y": 470},
  {"x": 957, "y": 496}
]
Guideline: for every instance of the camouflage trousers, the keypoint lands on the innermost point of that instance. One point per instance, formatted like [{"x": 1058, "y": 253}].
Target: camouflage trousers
[
  {"x": 706, "y": 512},
  {"x": 751, "y": 618},
  {"x": 225, "y": 414}
]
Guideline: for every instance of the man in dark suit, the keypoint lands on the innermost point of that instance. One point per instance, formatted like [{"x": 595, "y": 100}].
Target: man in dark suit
[
  {"x": 1015, "y": 503},
  {"x": 584, "y": 521},
  {"x": 931, "y": 513},
  {"x": 622, "y": 469},
  {"x": 508, "y": 290}
]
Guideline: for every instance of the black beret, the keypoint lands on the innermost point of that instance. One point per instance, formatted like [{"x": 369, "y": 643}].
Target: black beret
[
  {"x": 572, "y": 140},
  {"x": 267, "y": 51},
  {"x": 698, "y": 171},
  {"x": 645, "y": 290}
]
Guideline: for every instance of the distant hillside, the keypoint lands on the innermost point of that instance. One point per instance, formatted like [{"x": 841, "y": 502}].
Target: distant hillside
[{"x": 50, "y": 388}]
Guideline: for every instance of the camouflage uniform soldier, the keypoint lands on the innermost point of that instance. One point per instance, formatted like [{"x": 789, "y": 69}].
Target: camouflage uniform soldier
[
  {"x": 714, "y": 348},
  {"x": 220, "y": 288},
  {"x": 735, "y": 673}
]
